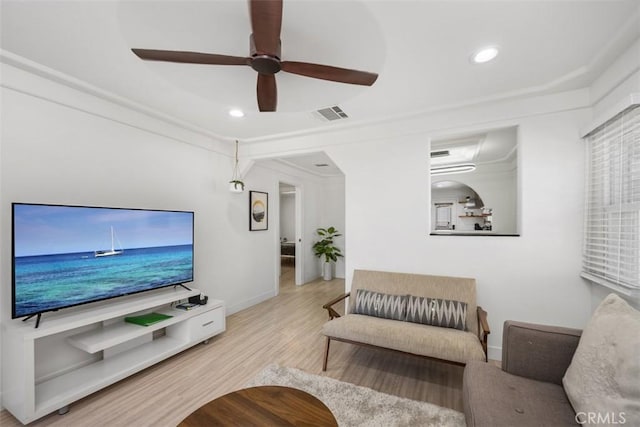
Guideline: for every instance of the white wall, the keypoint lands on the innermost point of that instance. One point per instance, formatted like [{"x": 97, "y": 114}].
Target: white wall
[
  {"x": 534, "y": 277},
  {"x": 333, "y": 215},
  {"x": 621, "y": 79}
]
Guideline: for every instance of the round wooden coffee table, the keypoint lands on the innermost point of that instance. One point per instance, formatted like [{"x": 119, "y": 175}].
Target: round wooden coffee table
[{"x": 262, "y": 406}]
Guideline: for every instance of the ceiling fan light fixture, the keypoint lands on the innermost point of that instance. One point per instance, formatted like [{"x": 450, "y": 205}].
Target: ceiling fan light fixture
[
  {"x": 448, "y": 169},
  {"x": 236, "y": 112},
  {"x": 484, "y": 55}
]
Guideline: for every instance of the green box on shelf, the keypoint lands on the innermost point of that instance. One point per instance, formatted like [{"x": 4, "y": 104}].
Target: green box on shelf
[{"x": 147, "y": 319}]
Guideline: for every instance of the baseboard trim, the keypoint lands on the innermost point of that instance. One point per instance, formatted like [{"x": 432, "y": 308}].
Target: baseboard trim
[
  {"x": 494, "y": 353},
  {"x": 250, "y": 302}
]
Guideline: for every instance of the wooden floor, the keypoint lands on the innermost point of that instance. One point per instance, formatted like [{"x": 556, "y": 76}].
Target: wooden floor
[{"x": 283, "y": 330}]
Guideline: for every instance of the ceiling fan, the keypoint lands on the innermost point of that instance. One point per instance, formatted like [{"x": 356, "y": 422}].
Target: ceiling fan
[{"x": 266, "y": 22}]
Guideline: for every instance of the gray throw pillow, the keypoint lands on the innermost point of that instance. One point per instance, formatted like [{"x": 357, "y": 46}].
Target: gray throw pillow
[
  {"x": 380, "y": 305},
  {"x": 437, "y": 312},
  {"x": 603, "y": 379}
]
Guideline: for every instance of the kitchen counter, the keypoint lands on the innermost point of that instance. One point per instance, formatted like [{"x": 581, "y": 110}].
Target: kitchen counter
[{"x": 470, "y": 233}]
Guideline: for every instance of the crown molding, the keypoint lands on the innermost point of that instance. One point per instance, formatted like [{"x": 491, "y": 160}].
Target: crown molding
[
  {"x": 627, "y": 102},
  {"x": 61, "y": 78}
]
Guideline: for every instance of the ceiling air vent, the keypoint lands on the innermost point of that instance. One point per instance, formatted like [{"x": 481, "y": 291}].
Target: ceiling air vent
[
  {"x": 442, "y": 153},
  {"x": 333, "y": 113}
]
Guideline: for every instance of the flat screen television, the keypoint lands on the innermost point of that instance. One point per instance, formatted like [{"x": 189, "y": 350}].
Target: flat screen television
[{"x": 64, "y": 256}]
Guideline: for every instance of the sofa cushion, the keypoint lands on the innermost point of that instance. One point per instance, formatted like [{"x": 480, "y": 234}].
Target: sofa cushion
[
  {"x": 381, "y": 305},
  {"x": 441, "y": 343},
  {"x": 603, "y": 375},
  {"x": 436, "y": 312},
  {"x": 492, "y": 397}
]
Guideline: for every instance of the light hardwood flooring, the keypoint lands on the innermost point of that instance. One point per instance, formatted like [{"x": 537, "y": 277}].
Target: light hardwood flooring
[{"x": 283, "y": 330}]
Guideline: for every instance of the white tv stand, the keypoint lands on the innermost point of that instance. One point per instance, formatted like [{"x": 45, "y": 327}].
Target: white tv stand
[{"x": 113, "y": 348}]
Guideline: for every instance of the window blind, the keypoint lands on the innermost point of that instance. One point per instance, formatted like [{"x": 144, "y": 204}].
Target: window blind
[{"x": 611, "y": 255}]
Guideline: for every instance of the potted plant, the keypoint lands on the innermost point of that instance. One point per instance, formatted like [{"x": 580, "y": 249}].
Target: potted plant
[
  {"x": 236, "y": 186},
  {"x": 325, "y": 248}
]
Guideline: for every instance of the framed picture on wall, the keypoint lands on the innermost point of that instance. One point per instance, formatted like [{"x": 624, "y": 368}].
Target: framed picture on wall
[{"x": 258, "y": 211}]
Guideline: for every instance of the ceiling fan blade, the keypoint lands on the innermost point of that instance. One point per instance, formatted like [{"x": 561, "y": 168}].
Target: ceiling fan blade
[
  {"x": 267, "y": 92},
  {"x": 266, "y": 22},
  {"x": 326, "y": 72},
  {"x": 190, "y": 57}
]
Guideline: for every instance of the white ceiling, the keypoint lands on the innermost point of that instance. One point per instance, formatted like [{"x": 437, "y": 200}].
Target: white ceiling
[
  {"x": 420, "y": 49},
  {"x": 318, "y": 164}
]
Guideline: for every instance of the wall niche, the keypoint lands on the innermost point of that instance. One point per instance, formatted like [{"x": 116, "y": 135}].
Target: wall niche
[{"x": 474, "y": 184}]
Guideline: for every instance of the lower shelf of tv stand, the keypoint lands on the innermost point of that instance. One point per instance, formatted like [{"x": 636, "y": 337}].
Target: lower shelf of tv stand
[{"x": 67, "y": 388}]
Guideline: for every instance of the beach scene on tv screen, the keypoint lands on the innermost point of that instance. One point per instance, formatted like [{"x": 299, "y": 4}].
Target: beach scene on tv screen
[{"x": 64, "y": 255}]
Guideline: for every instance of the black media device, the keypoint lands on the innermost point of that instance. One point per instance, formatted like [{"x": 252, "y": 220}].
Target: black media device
[{"x": 199, "y": 299}]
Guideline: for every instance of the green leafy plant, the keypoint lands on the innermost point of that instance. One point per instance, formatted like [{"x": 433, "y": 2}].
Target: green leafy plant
[
  {"x": 324, "y": 247},
  {"x": 237, "y": 184}
]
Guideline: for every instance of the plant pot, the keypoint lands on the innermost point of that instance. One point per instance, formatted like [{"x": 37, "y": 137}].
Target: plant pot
[
  {"x": 236, "y": 186},
  {"x": 327, "y": 273}
]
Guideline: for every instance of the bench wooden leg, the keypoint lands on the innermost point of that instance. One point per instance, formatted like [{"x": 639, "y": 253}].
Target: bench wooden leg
[{"x": 326, "y": 354}]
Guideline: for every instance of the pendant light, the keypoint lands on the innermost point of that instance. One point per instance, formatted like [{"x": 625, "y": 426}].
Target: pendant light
[
  {"x": 447, "y": 169},
  {"x": 236, "y": 185}
]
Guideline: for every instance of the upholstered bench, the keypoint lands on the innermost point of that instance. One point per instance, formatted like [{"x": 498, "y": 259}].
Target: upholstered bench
[{"x": 429, "y": 316}]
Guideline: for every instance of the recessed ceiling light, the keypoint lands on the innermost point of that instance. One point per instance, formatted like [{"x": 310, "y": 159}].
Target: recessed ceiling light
[
  {"x": 236, "y": 113},
  {"x": 484, "y": 55}
]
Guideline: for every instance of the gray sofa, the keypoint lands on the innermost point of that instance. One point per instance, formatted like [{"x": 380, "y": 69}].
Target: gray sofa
[
  {"x": 458, "y": 346},
  {"x": 528, "y": 389}
]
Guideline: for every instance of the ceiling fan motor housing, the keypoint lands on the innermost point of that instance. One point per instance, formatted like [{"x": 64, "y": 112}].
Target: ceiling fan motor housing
[{"x": 264, "y": 62}]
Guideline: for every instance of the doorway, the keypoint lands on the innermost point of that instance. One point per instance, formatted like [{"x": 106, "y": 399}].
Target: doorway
[{"x": 289, "y": 236}]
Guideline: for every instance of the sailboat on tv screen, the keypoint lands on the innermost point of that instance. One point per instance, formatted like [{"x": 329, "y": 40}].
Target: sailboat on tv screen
[{"x": 111, "y": 252}]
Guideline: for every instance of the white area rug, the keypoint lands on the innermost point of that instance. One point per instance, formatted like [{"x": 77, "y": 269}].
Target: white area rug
[{"x": 353, "y": 405}]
